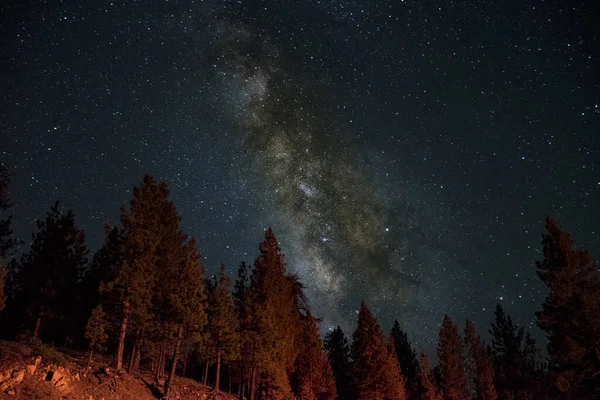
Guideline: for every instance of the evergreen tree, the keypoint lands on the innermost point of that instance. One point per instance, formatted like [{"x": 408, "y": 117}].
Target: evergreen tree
[
  {"x": 275, "y": 319},
  {"x": 338, "y": 350},
  {"x": 136, "y": 276},
  {"x": 375, "y": 369},
  {"x": 49, "y": 272},
  {"x": 312, "y": 370},
  {"x": 512, "y": 377},
  {"x": 570, "y": 314},
  {"x": 7, "y": 241},
  {"x": 479, "y": 366},
  {"x": 427, "y": 382},
  {"x": 223, "y": 332},
  {"x": 186, "y": 301},
  {"x": 452, "y": 364},
  {"x": 406, "y": 356},
  {"x": 95, "y": 332},
  {"x": 241, "y": 297}
]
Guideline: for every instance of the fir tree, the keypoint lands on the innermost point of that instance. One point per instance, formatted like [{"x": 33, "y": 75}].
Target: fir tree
[
  {"x": 49, "y": 272},
  {"x": 427, "y": 382},
  {"x": 570, "y": 314},
  {"x": 512, "y": 377},
  {"x": 186, "y": 301},
  {"x": 95, "y": 332},
  {"x": 312, "y": 370},
  {"x": 241, "y": 301},
  {"x": 452, "y": 364},
  {"x": 375, "y": 369},
  {"x": 338, "y": 350},
  {"x": 223, "y": 333},
  {"x": 275, "y": 319},
  {"x": 136, "y": 276},
  {"x": 406, "y": 356},
  {"x": 479, "y": 366}
]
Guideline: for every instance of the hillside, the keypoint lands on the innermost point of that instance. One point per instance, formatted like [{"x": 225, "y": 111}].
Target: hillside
[{"x": 37, "y": 371}]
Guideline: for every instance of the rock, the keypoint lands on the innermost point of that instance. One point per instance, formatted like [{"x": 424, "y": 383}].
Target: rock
[
  {"x": 33, "y": 367},
  {"x": 18, "y": 376}
]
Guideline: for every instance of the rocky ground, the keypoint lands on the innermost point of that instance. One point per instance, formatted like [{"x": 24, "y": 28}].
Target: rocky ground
[{"x": 36, "y": 371}]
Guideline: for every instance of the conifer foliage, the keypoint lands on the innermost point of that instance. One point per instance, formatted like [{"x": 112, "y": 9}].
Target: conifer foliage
[
  {"x": 429, "y": 388},
  {"x": 312, "y": 369},
  {"x": 375, "y": 368},
  {"x": 95, "y": 332},
  {"x": 570, "y": 314},
  {"x": 479, "y": 366},
  {"x": 406, "y": 356},
  {"x": 49, "y": 272},
  {"x": 452, "y": 364},
  {"x": 338, "y": 351}
]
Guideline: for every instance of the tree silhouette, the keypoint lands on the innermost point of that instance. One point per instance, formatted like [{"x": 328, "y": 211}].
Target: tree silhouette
[
  {"x": 427, "y": 382},
  {"x": 223, "y": 332},
  {"x": 452, "y": 364},
  {"x": 49, "y": 272},
  {"x": 570, "y": 314},
  {"x": 479, "y": 366},
  {"x": 375, "y": 369},
  {"x": 338, "y": 350},
  {"x": 406, "y": 356}
]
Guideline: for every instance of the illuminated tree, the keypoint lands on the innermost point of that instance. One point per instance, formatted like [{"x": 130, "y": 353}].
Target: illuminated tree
[
  {"x": 479, "y": 366},
  {"x": 452, "y": 364},
  {"x": 95, "y": 332},
  {"x": 429, "y": 388},
  {"x": 406, "y": 356},
  {"x": 570, "y": 314}
]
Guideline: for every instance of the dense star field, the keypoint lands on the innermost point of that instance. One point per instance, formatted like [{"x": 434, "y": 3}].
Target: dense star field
[{"x": 404, "y": 152}]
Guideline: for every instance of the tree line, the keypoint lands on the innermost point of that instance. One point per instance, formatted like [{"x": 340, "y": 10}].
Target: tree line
[{"x": 143, "y": 299}]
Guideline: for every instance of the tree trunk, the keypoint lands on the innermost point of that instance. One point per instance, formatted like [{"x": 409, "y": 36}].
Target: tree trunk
[
  {"x": 89, "y": 361},
  {"x": 218, "y": 378},
  {"x": 122, "y": 333},
  {"x": 204, "y": 382},
  {"x": 161, "y": 363},
  {"x": 253, "y": 384},
  {"x": 242, "y": 385},
  {"x": 169, "y": 381},
  {"x": 229, "y": 378},
  {"x": 36, "y": 330},
  {"x": 134, "y": 351}
]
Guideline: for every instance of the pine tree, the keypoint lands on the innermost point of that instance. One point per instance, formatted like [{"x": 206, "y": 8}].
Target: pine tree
[
  {"x": 406, "y": 356},
  {"x": 49, "y": 272},
  {"x": 312, "y": 370},
  {"x": 375, "y": 369},
  {"x": 95, "y": 332},
  {"x": 223, "y": 332},
  {"x": 452, "y": 364},
  {"x": 479, "y": 366},
  {"x": 570, "y": 314},
  {"x": 512, "y": 377},
  {"x": 429, "y": 388},
  {"x": 275, "y": 319},
  {"x": 136, "y": 276},
  {"x": 240, "y": 299},
  {"x": 336, "y": 345},
  {"x": 186, "y": 301}
]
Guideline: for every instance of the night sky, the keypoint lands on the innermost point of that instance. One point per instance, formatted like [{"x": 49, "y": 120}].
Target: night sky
[{"x": 405, "y": 152}]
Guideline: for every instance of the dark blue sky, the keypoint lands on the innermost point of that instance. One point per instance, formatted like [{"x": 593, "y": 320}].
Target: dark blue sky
[{"x": 405, "y": 152}]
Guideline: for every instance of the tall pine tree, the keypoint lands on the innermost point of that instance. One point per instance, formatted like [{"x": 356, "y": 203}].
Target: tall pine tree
[
  {"x": 275, "y": 319},
  {"x": 50, "y": 270},
  {"x": 312, "y": 370},
  {"x": 428, "y": 386},
  {"x": 338, "y": 350},
  {"x": 452, "y": 364},
  {"x": 570, "y": 314},
  {"x": 223, "y": 332},
  {"x": 407, "y": 357},
  {"x": 375, "y": 368},
  {"x": 480, "y": 367}
]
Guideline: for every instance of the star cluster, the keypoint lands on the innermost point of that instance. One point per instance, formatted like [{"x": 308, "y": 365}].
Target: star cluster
[{"x": 404, "y": 152}]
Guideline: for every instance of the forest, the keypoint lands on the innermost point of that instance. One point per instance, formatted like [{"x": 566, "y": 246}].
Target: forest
[{"x": 144, "y": 300}]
